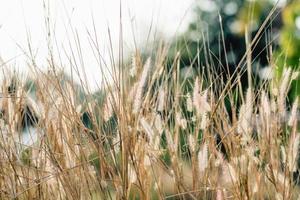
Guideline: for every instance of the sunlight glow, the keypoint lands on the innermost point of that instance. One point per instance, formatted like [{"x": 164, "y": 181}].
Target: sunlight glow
[{"x": 141, "y": 20}]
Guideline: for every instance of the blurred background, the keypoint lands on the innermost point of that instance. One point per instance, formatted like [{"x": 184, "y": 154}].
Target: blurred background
[
  {"x": 213, "y": 31},
  {"x": 143, "y": 21}
]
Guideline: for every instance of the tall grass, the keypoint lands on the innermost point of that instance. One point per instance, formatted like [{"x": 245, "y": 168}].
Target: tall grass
[{"x": 152, "y": 134}]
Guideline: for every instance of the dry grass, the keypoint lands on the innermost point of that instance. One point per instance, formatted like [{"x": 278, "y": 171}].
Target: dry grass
[
  {"x": 161, "y": 141},
  {"x": 151, "y": 135}
]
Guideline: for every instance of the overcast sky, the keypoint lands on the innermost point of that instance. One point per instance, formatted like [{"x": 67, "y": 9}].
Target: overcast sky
[{"x": 22, "y": 18}]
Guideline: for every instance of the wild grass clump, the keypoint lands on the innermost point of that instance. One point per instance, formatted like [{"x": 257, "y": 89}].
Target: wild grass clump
[
  {"x": 154, "y": 135},
  {"x": 154, "y": 132}
]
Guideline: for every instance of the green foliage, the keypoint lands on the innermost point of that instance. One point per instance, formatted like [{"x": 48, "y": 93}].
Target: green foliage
[
  {"x": 166, "y": 157},
  {"x": 288, "y": 53},
  {"x": 216, "y": 38},
  {"x": 228, "y": 19},
  {"x": 26, "y": 156},
  {"x": 94, "y": 160}
]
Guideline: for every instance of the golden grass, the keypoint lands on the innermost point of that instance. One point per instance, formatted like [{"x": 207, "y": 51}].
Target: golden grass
[
  {"x": 151, "y": 134},
  {"x": 163, "y": 141}
]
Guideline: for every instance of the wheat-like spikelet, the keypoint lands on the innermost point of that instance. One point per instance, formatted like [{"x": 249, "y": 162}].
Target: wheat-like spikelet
[
  {"x": 245, "y": 114},
  {"x": 200, "y": 99},
  {"x": 141, "y": 87},
  {"x": 283, "y": 89},
  {"x": 203, "y": 158}
]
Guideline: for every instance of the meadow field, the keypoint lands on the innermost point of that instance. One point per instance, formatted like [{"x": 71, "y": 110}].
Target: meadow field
[{"x": 154, "y": 130}]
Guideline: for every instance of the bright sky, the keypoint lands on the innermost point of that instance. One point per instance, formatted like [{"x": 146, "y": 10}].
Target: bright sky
[{"x": 22, "y": 18}]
